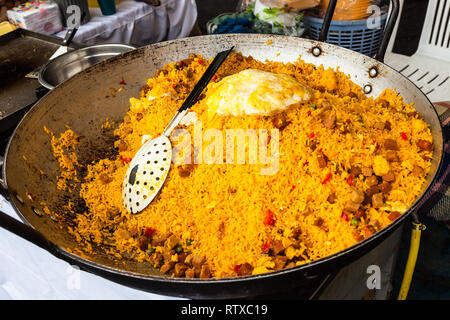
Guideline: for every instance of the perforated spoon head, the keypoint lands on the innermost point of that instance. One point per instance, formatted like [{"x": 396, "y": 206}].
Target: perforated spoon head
[
  {"x": 146, "y": 174},
  {"x": 149, "y": 168}
]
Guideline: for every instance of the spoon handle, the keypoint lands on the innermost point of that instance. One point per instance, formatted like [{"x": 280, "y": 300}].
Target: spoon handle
[{"x": 198, "y": 89}]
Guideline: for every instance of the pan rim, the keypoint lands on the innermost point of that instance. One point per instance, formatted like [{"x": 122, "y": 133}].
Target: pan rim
[{"x": 310, "y": 265}]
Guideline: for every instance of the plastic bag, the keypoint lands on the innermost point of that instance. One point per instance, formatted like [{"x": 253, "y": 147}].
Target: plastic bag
[{"x": 297, "y": 5}]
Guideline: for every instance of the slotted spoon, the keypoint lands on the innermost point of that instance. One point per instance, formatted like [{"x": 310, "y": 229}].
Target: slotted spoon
[{"x": 151, "y": 164}]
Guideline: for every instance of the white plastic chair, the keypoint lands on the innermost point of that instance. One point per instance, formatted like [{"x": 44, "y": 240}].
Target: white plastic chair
[{"x": 429, "y": 67}]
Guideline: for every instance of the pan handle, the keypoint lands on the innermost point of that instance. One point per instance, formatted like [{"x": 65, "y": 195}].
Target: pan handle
[
  {"x": 26, "y": 232},
  {"x": 393, "y": 16},
  {"x": 392, "y": 19}
]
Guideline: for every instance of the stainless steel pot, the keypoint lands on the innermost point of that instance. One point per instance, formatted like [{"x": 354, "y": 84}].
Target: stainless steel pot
[{"x": 67, "y": 65}]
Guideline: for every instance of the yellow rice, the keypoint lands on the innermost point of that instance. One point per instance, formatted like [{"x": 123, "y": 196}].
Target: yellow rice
[{"x": 222, "y": 207}]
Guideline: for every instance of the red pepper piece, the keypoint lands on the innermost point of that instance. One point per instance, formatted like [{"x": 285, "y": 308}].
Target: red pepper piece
[
  {"x": 306, "y": 163},
  {"x": 292, "y": 188},
  {"x": 127, "y": 160},
  {"x": 122, "y": 81},
  {"x": 344, "y": 216},
  {"x": 311, "y": 135},
  {"x": 404, "y": 136},
  {"x": 266, "y": 245},
  {"x": 269, "y": 221},
  {"x": 350, "y": 180},
  {"x": 326, "y": 179},
  {"x": 174, "y": 85},
  {"x": 236, "y": 268},
  {"x": 149, "y": 232}
]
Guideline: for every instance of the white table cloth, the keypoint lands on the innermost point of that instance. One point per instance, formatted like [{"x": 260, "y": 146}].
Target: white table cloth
[
  {"x": 29, "y": 272},
  {"x": 138, "y": 23}
]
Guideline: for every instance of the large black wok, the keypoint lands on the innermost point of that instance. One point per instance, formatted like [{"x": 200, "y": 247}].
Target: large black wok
[{"x": 83, "y": 103}]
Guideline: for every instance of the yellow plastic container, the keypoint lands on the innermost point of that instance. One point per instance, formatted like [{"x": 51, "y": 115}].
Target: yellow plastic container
[
  {"x": 6, "y": 27},
  {"x": 93, "y": 4}
]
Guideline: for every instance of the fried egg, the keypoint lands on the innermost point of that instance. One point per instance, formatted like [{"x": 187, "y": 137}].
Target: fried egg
[{"x": 254, "y": 92}]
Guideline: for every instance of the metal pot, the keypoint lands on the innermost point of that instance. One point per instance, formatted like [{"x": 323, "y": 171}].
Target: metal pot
[
  {"x": 67, "y": 65},
  {"x": 83, "y": 103}
]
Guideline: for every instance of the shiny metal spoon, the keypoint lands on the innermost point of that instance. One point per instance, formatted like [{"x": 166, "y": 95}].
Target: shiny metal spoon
[{"x": 151, "y": 164}]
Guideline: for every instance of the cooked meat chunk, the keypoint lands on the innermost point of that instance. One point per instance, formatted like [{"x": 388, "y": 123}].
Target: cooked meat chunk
[
  {"x": 379, "y": 125},
  {"x": 280, "y": 262},
  {"x": 245, "y": 269},
  {"x": 143, "y": 243},
  {"x": 424, "y": 145},
  {"x": 318, "y": 222},
  {"x": 418, "y": 171},
  {"x": 322, "y": 159},
  {"x": 377, "y": 200},
  {"x": 357, "y": 236},
  {"x": 360, "y": 214},
  {"x": 277, "y": 247},
  {"x": 394, "y": 215},
  {"x": 330, "y": 121},
  {"x": 352, "y": 206},
  {"x": 121, "y": 145},
  {"x": 185, "y": 170},
  {"x": 290, "y": 265},
  {"x": 198, "y": 261},
  {"x": 390, "y": 144},
  {"x": 296, "y": 232},
  {"x": 387, "y": 125},
  {"x": 367, "y": 171},
  {"x": 313, "y": 144},
  {"x": 368, "y": 231},
  {"x": 389, "y": 177},
  {"x": 179, "y": 269},
  {"x": 332, "y": 198},
  {"x": 357, "y": 196},
  {"x": 355, "y": 171},
  {"x": 372, "y": 190},
  {"x": 280, "y": 121},
  {"x": 105, "y": 178},
  {"x": 128, "y": 130},
  {"x": 392, "y": 156},
  {"x": 372, "y": 181},
  {"x": 167, "y": 266},
  {"x": 172, "y": 241},
  {"x": 189, "y": 273},
  {"x": 160, "y": 240},
  {"x": 205, "y": 272},
  {"x": 385, "y": 187}
]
